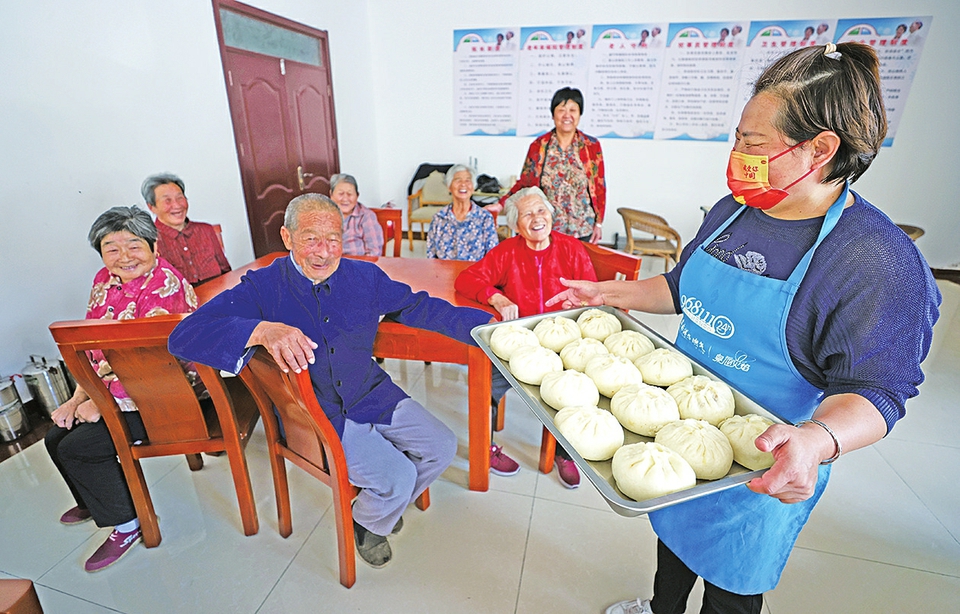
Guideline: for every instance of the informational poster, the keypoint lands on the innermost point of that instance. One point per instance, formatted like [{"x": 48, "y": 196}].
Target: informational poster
[
  {"x": 550, "y": 58},
  {"x": 898, "y": 43},
  {"x": 768, "y": 41},
  {"x": 700, "y": 81},
  {"x": 485, "y": 81},
  {"x": 621, "y": 100},
  {"x": 680, "y": 81}
]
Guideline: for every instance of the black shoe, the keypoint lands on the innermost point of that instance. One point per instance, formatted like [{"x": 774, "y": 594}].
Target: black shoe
[
  {"x": 397, "y": 527},
  {"x": 373, "y": 549}
]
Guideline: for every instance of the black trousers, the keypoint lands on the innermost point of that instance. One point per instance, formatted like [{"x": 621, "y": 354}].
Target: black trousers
[
  {"x": 87, "y": 460},
  {"x": 674, "y": 581}
]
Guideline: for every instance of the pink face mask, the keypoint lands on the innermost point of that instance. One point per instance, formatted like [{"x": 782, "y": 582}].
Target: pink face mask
[{"x": 747, "y": 179}]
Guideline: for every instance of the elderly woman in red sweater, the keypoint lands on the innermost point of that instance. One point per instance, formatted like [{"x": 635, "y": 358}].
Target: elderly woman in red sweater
[{"x": 516, "y": 278}]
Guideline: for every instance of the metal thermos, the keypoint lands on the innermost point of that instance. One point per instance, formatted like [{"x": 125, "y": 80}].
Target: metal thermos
[
  {"x": 46, "y": 383},
  {"x": 13, "y": 420}
]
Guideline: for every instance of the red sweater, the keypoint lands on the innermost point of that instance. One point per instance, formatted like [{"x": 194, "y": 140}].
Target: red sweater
[{"x": 526, "y": 277}]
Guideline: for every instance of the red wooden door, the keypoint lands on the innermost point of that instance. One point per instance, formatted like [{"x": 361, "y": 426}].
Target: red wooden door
[{"x": 284, "y": 126}]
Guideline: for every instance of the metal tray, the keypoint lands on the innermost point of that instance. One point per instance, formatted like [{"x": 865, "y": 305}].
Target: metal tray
[{"x": 600, "y": 473}]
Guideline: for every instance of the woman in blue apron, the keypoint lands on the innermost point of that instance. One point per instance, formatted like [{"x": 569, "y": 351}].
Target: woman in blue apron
[{"x": 803, "y": 296}]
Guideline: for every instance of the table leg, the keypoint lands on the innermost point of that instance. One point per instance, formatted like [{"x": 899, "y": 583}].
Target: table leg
[{"x": 478, "y": 377}]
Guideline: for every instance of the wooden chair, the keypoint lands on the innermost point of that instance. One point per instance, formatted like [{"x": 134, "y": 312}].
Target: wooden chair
[
  {"x": 390, "y": 221},
  {"x": 219, "y": 230},
  {"x": 424, "y": 202},
  {"x": 18, "y": 597},
  {"x": 175, "y": 420},
  {"x": 609, "y": 265},
  {"x": 663, "y": 242},
  {"x": 309, "y": 442}
]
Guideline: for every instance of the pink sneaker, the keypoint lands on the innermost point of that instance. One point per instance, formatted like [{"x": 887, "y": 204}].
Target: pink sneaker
[
  {"x": 112, "y": 550},
  {"x": 75, "y": 515},
  {"x": 500, "y": 463},
  {"x": 568, "y": 472}
]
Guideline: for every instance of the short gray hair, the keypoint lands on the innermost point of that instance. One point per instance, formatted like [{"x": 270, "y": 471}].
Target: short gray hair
[
  {"x": 456, "y": 168},
  {"x": 340, "y": 177},
  {"x": 132, "y": 219},
  {"x": 151, "y": 183},
  {"x": 510, "y": 207},
  {"x": 308, "y": 202}
]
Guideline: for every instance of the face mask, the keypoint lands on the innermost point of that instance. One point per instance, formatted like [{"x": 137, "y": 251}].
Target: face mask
[{"x": 747, "y": 179}]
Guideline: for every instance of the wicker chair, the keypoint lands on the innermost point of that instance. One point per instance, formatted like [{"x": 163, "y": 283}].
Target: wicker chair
[{"x": 660, "y": 239}]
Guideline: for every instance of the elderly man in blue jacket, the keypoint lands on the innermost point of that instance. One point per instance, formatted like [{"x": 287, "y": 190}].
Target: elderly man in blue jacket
[{"x": 314, "y": 311}]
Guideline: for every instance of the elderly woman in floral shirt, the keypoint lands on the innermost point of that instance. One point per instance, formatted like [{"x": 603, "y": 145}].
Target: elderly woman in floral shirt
[
  {"x": 461, "y": 230},
  {"x": 134, "y": 283}
]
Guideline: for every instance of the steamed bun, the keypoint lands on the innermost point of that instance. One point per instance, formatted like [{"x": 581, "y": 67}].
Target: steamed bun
[
  {"x": 593, "y": 432},
  {"x": 703, "y": 398},
  {"x": 556, "y": 332},
  {"x": 644, "y": 409},
  {"x": 742, "y": 431},
  {"x": 664, "y": 367},
  {"x": 598, "y": 324},
  {"x": 529, "y": 364},
  {"x": 629, "y": 343},
  {"x": 701, "y": 444},
  {"x": 576, "y": 354},
  {"x": 611, "y": 373},
  {"x": 649, "y": 470},
  {"x": 508, "y": 337},
  {"x": 560, "y": 389}
]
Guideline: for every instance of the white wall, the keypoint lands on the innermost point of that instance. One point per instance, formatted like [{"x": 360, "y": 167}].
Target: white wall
[
  {"x": 914, "y": 181},
  {"x": 95, "y": 96}
]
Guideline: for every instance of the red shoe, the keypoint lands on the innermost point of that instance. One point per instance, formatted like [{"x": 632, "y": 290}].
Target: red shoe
[
  {"x": 500, "y": 463},
  {"x": 75, "y": 515},
  {"x": 112, "y": 550},
  {"x": 568, "y": 472}
]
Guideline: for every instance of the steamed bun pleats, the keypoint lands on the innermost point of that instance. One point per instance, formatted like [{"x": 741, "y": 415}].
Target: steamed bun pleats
[
  {"x": 701, "y": 444},
  {"x": 508, "y": 337},
  {"x": 664, "y": 367},
  {"x": 629, "y": 343},
  {"x": 742, "y": 431},
  {"x": 561, "y": 389},
  {"x": 593, "y": 432},
  {"x": 702, "y": 398},
  {"x": 611, "y": 373},
  {"x": 598, "y": 324},
  {"x": 529, "y": 364},
  {"x": 576, "y": 354},
  {"x": 649, "y": 470},
  {"x": 644, "y": 409},
  {"x": 556, "y": 332}
]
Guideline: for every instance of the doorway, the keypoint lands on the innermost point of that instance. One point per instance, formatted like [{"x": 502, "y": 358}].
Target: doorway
[{"x": 280, "y": 91}]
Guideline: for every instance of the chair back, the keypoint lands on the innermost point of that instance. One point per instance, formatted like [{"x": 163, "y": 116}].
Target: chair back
[
  {"x": 176, "y": 422},
  {"x": 664, "y": 242},
  {"x": 219, "y": 230},
  {"x": 390, "y": 221},
  {"x": 612, "y": 265}
]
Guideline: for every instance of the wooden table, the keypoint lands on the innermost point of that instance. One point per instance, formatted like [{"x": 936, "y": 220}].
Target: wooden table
[{"x": 395, "y": 340}]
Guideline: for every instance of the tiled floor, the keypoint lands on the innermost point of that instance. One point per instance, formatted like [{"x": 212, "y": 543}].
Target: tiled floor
[{"x": 886, "y": 537}]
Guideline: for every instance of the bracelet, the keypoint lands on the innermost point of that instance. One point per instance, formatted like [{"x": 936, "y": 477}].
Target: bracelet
[{"x": 830, "y": 432}]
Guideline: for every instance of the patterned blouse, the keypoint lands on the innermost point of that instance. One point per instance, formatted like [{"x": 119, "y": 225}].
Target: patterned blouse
[
  {"x": 565, "y": 183},
  {"x": 161, "y": 291},
  {"x": 471, "y": 239}
]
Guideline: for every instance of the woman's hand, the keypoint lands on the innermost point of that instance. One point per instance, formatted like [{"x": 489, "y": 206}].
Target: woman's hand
[
  {"x": 290, "y": 348},
  {"x": 507, "y": 309},
  {"x": 797, "y": 453},
  {"x": 578, "y": 294},
  {"x": 597, "y": 233},
  {"x": 63, "y": 416},
  {"x": 87, "y": 412}
]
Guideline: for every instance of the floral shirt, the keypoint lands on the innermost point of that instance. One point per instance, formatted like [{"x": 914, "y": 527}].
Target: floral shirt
[
  {"x": 565, "y": 183},
  {"x": 161, "y": 291},
  {"x": 451, "y": 239},
  {"x": 362, "y": 234}
]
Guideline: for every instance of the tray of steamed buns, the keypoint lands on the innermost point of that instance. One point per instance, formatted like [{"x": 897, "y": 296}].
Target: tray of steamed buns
[{"x": 645, "y": 424}]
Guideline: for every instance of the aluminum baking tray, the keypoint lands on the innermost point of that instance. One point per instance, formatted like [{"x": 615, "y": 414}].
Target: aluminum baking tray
[{"x": 600, "y": 473}]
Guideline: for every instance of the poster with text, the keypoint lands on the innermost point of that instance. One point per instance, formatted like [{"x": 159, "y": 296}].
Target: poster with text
[
  {"x": 550, "y": 58},
  {"x": 699, "y": 82},
  {"x": 769, "y": 40},
  {"x": 621, "y": 99},
  {"x": 485, "y": 69},
  {"x": 898, "y": 42}
]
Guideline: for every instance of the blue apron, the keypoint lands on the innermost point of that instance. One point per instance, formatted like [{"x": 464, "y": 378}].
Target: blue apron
[{"x": 735, "y": 323}]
